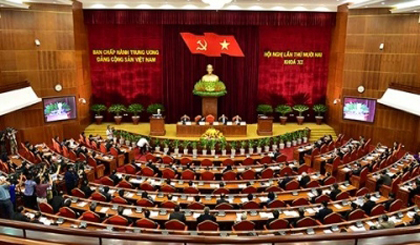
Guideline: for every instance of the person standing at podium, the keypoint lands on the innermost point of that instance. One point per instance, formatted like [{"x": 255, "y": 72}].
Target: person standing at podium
[{"x": 223, "y": 119}]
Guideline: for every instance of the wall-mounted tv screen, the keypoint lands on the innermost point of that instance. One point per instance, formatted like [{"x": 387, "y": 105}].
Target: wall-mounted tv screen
[
  {"x": 359, "y": 109},
  {"x": 60, "y": 108}
]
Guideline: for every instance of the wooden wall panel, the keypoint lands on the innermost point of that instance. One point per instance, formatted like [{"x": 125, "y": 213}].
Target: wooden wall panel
[
  {"x": 365, "y": 64},
  {"x": 56, "y": 60}
]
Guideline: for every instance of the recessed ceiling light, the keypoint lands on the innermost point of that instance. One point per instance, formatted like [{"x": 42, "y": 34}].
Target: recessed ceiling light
[{"x": 383, "y": 3}]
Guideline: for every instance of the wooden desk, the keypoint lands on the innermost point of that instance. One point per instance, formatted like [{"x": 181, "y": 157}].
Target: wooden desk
[
  {"x": 195, "y": 130},
  {"x": 299, "y": 152}
]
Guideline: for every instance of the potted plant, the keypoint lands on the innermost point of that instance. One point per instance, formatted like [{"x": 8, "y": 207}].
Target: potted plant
[
  {"x": 135, "y": 109},
  {"x": 233, "y": 146},
  {"x": 301, "y": 109},
  {"x": 153, "y": 108},
  {"x": 251, "y": 145},
  {"x": 185, "y": 145},
  {"x": 117, "y": 135},
  {"x": 319, "y": 108},
  {"x": 267, "y": 144},
  {"x": 194, "y": 147},
  {"x": 157, "y": 145},
  {"x": 212, "y": 145},
  {"x": 123, "y": 134},
  {"x": 135, "y": 140},
  {"x": 98, "y": 109},
  {"x": 288, "y": 139},
  {"x": 275, "y": 143},
  {"x": 117, "y": 109},
  {"x": 283, "y": 110},
  {"x": 243, "y": 146},
  {"x": 175, "y": 144},
  {"x": 260, "y": 143},
  {"x": 305, "y": 135},
  {"x": 204, "y": 144},
  {"x": 223, "y": 144},
  {"x": 264, "y": 109},
  {"x": 166, "y": 143},
  {"x": 128, "y": 139},
  {"x": 294, "y": 138},
  {"x": 299, "y": 137},
  {"x": 282, "y": 139}
]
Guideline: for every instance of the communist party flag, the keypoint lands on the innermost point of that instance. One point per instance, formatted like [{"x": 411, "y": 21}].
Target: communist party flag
[{"x": 212, "y": 45}]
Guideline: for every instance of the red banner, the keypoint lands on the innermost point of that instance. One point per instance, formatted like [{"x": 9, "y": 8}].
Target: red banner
[{"x": 212, "y": 45}]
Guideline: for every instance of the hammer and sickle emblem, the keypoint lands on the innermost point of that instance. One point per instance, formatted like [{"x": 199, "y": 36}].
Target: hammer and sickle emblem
[{"x": 202, "y": 46}]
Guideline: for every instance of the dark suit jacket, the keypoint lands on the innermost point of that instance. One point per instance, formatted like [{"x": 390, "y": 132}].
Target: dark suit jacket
[
  {"x": 205, "y": 217},
  {"x": 285, "y": 181},
  {"x": 221, "y": 201},
  {"x": 57, "y": 203},
  {"x": 20, "y": 217},
  {"x": 334, "y": 194},
  {"x": 86, "y": 190},
  {"x": 305, "y": 180},
  {"x": 178, "y": 216},
  {"x": 322, "y": 213},
  {"x": 385, "y": 179},
  {"x": 367, "y": 207}
]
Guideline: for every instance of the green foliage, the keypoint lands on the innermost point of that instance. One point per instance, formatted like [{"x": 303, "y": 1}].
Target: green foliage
[
  {"x": 283, "y": 109},
  {"x": 98, "y": 108},
  {"x": 243, "y": 144},
  {"x": 276, "y": 140},
  {"x": 185, "y": 144},
  {"x": 212, "y": 144},
  {"x": 305, "y": 132},
  {"x": 223, "y": 143},
  {"x": 194, "y": 144},
  {"x": 152, "y": 109},
  {"x": 300, "y": 108},
  {"x": 282, "y": 139},
  {"x": 117, "y": 109},
  {"x": 251, "y": 144},
  {"x": 233, "y": 144},
  {"x": 175, "y": 144},
  {"x": 287, "y": 137},
  {"x": 209, "y": 89},
  {"x": 320, "y": 108},
  {"x": 135, "y": 109},
  {"x": 157, "y": 142},
  {"x": 264, "y": 109},
  {"x": 260, "y": 142},
  {"x": 266, "y": 141},
  {"x": 166, "y": 143},
  {"x": 204, "y": 143}
]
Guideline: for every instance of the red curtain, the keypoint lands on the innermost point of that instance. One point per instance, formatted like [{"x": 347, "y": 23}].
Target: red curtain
[{"x": 293, "y": 84}]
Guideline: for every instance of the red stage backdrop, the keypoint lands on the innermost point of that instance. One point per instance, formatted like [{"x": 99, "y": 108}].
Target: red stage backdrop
[
  {"x": 126, "y": 64},
  {"x": 163, "y": 69},
  {"x": 293, "y": 64}
]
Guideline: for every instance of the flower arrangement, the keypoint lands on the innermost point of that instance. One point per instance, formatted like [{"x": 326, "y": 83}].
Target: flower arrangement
[
  {"x": 212, "y": 134},
  {"x": 209, "y": 89}
]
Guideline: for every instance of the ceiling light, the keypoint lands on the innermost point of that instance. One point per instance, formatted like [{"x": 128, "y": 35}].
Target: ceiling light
[{"x": 217, "y": 4}]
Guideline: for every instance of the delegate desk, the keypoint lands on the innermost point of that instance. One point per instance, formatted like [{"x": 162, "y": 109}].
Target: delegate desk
[
  {"x": 226, "y": 216},
  {"x": 195, "y": 130},
  {"x": 301, "y": 151}
]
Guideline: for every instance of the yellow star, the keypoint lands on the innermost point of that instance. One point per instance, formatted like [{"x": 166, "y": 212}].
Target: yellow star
[{"x": 225, "y": 45}]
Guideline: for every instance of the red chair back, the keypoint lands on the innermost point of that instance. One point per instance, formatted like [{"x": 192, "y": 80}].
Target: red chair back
[
  {"x": 92, "y": 162},
  {"x": 224, "y": 206},
  {"x": 377, "y": 210},
  {"x": 46, "y": 208},
  {"x": 248, "y": 161},
  {"x": 361, "y": 192},
  {"x": 278, "y": 224},
  {"x": 207, "y": 163},
  {"x": 119, "y": 200},
  {"x": 147, "y": 187},
  {"x": 332, "y": 218},
  {"x": 267, "y": 173},
  {"x": 248, "y": 174},
  {"x": 342, "y": 196},
  {"x": 300, "y": 202},
  {"x": 249, "y": 189},
  {"x": 72, "y": 155},
  {"x": 229, "y": 175},
  {"x": 329, "y": 181},
  {"x": 292, "y": 185},
  {"x": 346, "y": 158},
  {"x": 221, "y": 190},
  {"x": 207, "y": 175},
  {"x": 312, "y": 184},
  {"x": 208, "y": 225},
  {"x": 273, "y": 188},
  {"x": 91, "y": 217},
  {"x": 196, "y": 206},
  {"x": 244, "y": 225},
  {"x": 103, "y": 149},
  {"x": 191, "y": 190},
  {"x": 168, "y": 204},
  {"x": 125, "y": 184},
  {"x": 107, "y": 181},
  {"x": 265, "y": 160},
  {"x": 306, "y": 222},
  {"x": 188, "y": 175},
  {"x": 147, "y": 171},
  {"x": 168, "y": 173},
  {"x": 228, "y": 162},
  {"x": 67, "y": 212},
  {"x": 281, "y": 158},
  {"x": 130, "y": 169},
  {"x": 150, "y": 157},
  {"x": 395, "y": 205},
  {"x": 356, "y": 214},
  {"x": 146, "y": 223},
  {"x": 323, "y": 149},
  {"x": 185, "y": 161},
  {"x": 322, "y": 198},
  {"x": 167, "y": 189},
  {"x": 78, "y": 193},
  {"x": 175, "y": 225},
  {"x": 251, "y": 205},
  {"x": 98, "y": 197},
  {"x": 286, "y": 170},
  {"x": 276, "y": 204},
  {"x": 144, "y": 202},
  {"x": 117, "y": 220},
  {"x": 167, "y": 159},
  {"x": 303, "y": 168}
]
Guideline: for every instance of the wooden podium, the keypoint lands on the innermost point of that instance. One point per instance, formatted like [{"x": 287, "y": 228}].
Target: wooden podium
[
  {"x": 209, "y": 106},
  {"x": 157, "y": 126},
  {"x": 265, "y": 126}
]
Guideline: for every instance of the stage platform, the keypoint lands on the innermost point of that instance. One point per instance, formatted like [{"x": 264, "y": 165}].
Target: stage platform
[{"x": 144, "y": 129}]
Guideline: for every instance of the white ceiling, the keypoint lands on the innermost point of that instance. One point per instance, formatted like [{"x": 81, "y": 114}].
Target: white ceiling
[{"x": 253, "y": 5}]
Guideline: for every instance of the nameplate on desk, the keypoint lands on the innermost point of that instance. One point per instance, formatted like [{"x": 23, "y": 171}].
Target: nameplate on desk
[
  {"x": 242, "y": 123},
  {"x": 229, "y": 123},
  {"x": 188, "y": 123},
  {"x": 201, "y": 123},
  {"x": 215, "y": 123}
]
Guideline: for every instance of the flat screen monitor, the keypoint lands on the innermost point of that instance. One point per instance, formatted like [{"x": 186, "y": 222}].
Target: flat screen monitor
[
  {"x": 359, "y": 109},
  {"x": 60, "y": 108}
]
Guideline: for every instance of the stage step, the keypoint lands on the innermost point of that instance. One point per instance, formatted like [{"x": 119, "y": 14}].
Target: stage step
[{"x": 317, "y": 131}]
